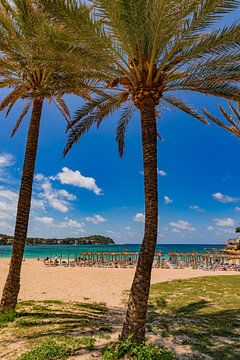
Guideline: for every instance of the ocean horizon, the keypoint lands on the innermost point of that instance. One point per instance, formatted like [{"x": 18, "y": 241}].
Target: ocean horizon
[{"x": 42, "y": 251}]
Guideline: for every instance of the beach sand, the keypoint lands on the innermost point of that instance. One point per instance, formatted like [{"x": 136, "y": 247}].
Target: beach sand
[{"x": 39, "y": 282}]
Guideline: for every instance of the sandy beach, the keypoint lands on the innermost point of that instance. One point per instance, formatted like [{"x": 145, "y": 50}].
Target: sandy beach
[{"x": 107, "y": 285}]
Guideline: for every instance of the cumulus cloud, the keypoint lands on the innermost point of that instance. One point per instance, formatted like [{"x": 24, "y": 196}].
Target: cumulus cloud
[
  {"x": 95, "y": 219},
  {"x": 224, "y": 222},
  {"x": 167, "y": 200},
  {"x": 176, "y": 230},
  {"x": 8, "y": 204},
  {"x": 37, "y": 204},
  {"x": 182, "y": 225},
  {"x": 227, "y": 231},
  {"x": 70, "y": 223},
  {"x": 161, "y": 172},
  {"x": 75, "y": 178},
  {"x": 6, "y": 160},
  {"x": 196, "y": 208},
  {"x": 225, "y": 198},
  {"x": 44, "y": 220},
  {"x": 139, "y": 217},
  {"x": 210, "y": 228},
  {"x": 237, "y": 208},
  {"x": 67, "y": 223},
  {"x": 57, "y": 199}
]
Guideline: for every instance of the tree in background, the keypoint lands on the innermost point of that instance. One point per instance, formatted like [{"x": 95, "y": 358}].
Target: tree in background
[{"x": 34, "y": 70}]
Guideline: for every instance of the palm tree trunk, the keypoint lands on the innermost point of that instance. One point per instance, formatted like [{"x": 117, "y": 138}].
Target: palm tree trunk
[
  {"x": 137, "y": 306},
  {"x": 12, "y": 284}
]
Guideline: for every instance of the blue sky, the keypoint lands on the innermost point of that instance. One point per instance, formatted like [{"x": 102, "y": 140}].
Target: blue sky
[{"x": 93, "y": 191}]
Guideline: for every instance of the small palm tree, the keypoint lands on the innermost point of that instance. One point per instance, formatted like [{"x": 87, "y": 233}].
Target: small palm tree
[
  {"x": 34, "y": 71},
  {"x": 155, "y": 48}
]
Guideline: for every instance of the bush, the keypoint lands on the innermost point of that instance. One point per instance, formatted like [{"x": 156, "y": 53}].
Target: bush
[{"x": 135, "y": 351}]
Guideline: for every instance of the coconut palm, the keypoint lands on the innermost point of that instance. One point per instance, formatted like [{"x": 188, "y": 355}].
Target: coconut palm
[
  {"x": 34, "y": 71},
  {"x": 158, "y": 49}
]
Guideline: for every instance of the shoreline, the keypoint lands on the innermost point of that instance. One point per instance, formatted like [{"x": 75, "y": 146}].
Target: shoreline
[{"x": 86, "y": 284}]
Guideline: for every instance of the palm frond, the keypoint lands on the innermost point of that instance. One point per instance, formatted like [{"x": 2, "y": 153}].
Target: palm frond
[
  {"x": 21, "y": 117},
  {"x": 89, "y": 114},
  {"x": 16, "y": 94},
  {"x": 126, "y": 114},
  {"x": 183, "y": 106},
  {"x": 230, "y": 124}
]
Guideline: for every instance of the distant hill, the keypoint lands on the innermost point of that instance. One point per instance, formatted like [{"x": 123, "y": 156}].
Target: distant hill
[{"x": 93, "y": 239}]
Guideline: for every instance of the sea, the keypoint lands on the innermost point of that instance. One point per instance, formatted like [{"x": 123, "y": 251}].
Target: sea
[{"x": 42, "y": 251}]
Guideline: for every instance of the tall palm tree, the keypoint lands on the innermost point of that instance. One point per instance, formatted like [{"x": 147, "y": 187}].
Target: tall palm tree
[
  {"x": 34, "y": 70},
  {"x": 155, "y": 48}
]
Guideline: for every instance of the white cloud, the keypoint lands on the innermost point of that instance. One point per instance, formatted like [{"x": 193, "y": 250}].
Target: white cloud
[
  {"x": 44, "y": 220},
  {"x": 225, "y": 198},
  {"x": 66, "y": 224},
  {"x": 237, "y": 208},
  {"x": 113, "y": 233},
  {"x": 210, "y": 228},
  {"x": 37, "y": 204},
  {"x": 70, "y": 223},
  {"x": 139, "y": 217},
  {"x": 75, "y": 178},
  {"x": 227, "y": 231},
  {"x": 57, "y": 199},
  {"x": 224, "y": 222},
  {"x": 6, "y": 160},
  {"x": 182, "y": 225},
  {"x": 95, "y": 219},
  {"x": 8, "y": 204},
  {"x": 161, "y": 172},
  {"x": 196, "y": 208},
  {"x": 167, "y": 200}
]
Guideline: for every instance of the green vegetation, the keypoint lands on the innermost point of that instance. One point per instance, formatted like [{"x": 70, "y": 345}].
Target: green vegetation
[
  {"x": 57, "y": 349},
  {"x": 202, "y": 314},
  {"x": 143, "y": 351},
  {"x": 200, "y": 317},
  {"x": 93, "y": 239},
  {"x": 7, "y": 317},
  {"x": 52, "y": 329}
]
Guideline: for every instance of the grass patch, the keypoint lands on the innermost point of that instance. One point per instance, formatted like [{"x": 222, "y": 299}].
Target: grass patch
[
  {"x": 203, "y": 313},
  {"x": 5, "y": 318},
  {"x": 60, "y": 348},
  {"x": 50, "y": 330}
]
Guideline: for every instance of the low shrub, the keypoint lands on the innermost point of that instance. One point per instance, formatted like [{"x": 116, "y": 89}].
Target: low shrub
[{"x": 127, "y": 349}]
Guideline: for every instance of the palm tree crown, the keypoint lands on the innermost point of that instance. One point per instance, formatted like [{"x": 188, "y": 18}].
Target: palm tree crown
[
  {"x": 157, "y": 48},
  {"x": 31, "y": 64}
]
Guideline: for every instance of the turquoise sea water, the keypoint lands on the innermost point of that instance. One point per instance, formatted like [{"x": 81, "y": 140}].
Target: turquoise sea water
[{"x": 33, "y": 252}]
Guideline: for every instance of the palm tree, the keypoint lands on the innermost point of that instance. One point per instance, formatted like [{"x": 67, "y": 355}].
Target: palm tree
[
  {"x": 155, "y": 48},
  {"x": 34, "y": 70}
]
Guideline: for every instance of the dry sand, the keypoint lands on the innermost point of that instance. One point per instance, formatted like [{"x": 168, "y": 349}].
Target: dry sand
[{"x": 39, "y": 282}]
